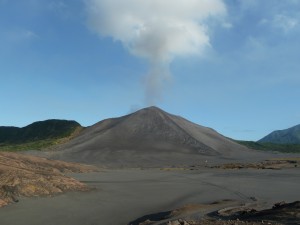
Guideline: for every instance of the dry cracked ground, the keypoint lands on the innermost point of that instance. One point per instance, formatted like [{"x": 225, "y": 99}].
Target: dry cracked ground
[{"x": 28, "y": 176}]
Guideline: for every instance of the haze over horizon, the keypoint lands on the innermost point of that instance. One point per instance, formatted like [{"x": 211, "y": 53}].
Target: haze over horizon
[{"x": 229, "y": 65}]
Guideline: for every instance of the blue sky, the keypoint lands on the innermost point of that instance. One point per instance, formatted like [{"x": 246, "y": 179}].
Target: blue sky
[{"x": 57, "y": 61}]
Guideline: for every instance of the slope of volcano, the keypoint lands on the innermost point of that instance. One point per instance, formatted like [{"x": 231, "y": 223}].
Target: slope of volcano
[{"x": 147, "y": 137}]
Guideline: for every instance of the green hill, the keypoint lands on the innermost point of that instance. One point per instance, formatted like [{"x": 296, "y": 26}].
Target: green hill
[
  {"x": 38, "y": 135},
  {"x": 287, "y": 136},
  {"x": 287, "y": 141},
  {"x": 285, "y": 148}
]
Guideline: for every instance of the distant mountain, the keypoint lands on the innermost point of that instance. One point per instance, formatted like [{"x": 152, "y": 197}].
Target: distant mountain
[
  {"x": 287, "y": 136},
  {"x": 37, "y": 135},
  {"x": 149, "y": 135}
]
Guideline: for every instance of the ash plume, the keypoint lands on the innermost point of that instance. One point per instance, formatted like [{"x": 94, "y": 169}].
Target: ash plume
[{"x": 157, "y": 30}]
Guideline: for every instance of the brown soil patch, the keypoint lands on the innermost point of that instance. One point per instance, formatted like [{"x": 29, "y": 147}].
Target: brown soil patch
[
  {"x": 275, "y": 164},
  {"x": 27, "y": 176}
]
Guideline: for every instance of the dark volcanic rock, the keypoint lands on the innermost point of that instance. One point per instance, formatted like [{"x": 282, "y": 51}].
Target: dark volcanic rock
[{"x": 281, "y": 213}]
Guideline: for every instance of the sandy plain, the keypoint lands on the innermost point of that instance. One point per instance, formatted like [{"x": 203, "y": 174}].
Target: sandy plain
[{"x": 121, "y": 196}]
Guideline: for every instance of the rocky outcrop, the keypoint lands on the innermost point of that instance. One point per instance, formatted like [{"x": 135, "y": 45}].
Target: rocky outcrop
[
  {"x": 281, "y": 213},
  {"x": 27, "y": 176}
]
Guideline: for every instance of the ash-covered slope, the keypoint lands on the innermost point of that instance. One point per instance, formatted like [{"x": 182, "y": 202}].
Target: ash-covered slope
[{"x": 147, "y": 136}]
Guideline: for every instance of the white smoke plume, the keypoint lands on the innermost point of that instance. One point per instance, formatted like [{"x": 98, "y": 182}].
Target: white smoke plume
[{"x": 157, "y": 30}]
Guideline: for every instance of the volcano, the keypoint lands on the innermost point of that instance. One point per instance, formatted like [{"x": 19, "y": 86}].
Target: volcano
[{"x": 147, "y": 136}]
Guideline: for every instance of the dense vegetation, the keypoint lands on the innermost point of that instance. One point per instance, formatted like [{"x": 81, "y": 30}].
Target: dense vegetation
[
  {"x": 38, "y": 135},
  {"x": 287, "y": 148}
]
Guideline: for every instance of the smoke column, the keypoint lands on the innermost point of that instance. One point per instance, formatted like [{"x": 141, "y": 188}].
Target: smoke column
[{"x": 157, "y": 30}]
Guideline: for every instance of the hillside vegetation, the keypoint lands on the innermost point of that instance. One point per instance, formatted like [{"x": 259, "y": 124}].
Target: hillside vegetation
[
  {"x": 286, "y": 148},
  {"x": 38, "y": 135}
]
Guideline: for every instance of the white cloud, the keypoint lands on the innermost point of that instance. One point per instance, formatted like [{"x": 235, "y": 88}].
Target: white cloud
[
  {"x": 249, "y": 4},
  {"x": 256, "y": 49},
  {"x": 227, "y": 25},
  {"x": 28, "y": 34},
  {"x": 281, "y": 22},
  {"x": 19, "y": 35},
  {"x": 61, "y": 8},
  {"x": 157, "y": 30},
  {"x": 286, "y": 23},
  {"x": 57, "y": 5}
]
